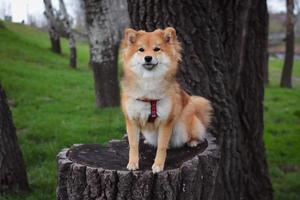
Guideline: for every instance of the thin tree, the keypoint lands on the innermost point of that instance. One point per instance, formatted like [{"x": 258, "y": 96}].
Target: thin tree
[
  {"x": 104, "y": 20},
  {"x": 67, "y": 21},
  {"x": 286, "y": 76},
  {"x": 12, "y": 168},
  {"x": 52, "y": 27},
  {"x": 224, "y": 48}
]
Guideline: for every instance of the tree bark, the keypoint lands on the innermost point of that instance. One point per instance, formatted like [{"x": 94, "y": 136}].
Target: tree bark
[
  {"x": 224, "y": 46},
  {"x": 266, "y": 70},
  {"x": 52, "y": 27},
  {"x": 104, "y": 36},
  {"x": 73, "y": 57},
  {"x": 99, "y": 172},
  {"x": 286, "y": 76},
  {"x": 68, "y": 28},
  {"x": 13, "y": 175},
  {"x": 266, "y": 63}
]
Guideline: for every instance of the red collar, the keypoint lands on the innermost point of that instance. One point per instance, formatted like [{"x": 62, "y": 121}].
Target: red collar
[{"x": 153, "y": 115}]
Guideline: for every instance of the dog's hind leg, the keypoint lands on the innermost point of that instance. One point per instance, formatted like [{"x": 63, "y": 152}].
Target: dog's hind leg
[{"x": 197, "y": 132}]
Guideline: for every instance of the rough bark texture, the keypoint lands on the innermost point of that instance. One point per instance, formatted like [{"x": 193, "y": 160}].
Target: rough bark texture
[
  {"x": 12, "y": 168},
  {"x": 99, "y": 172},
  {"x": 104, "y": 21},
  {"x": 224, "y": 46},
  {"x": 286, "y": 76},
  {"x": 67, "y": 21},
  {"x": 52, "y": 27}
]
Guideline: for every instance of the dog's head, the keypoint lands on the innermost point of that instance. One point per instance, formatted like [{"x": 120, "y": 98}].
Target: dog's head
[{"x": 151, "y": 54}]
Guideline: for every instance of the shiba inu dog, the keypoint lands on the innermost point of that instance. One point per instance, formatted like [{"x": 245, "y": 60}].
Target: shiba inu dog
[{"x": 153, "y": 102}]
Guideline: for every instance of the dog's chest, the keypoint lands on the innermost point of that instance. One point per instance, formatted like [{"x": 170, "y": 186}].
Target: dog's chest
[
  {"x": 149, "y": 88},
  {"x": 139, "y": 110}
]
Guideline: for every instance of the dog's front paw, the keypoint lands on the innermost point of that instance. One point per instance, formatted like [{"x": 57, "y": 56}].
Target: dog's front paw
[
  {"x": 133, "y": 165},
  {"x": 157, "y": 168}
]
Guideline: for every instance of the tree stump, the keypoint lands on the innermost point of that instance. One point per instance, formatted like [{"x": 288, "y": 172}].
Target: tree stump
[{"x": 93, "y": 171}]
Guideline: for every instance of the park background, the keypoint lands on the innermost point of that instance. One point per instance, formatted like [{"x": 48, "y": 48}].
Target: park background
[{"x": 53, "y": 105}]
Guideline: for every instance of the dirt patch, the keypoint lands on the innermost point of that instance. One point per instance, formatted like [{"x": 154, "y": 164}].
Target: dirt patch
[{"x": 290, "y": 168}]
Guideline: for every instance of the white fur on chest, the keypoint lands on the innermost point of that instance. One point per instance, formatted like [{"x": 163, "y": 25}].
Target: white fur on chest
[
  {"x": 139, "y": 110},
  {"x": 149, "y": 88}
]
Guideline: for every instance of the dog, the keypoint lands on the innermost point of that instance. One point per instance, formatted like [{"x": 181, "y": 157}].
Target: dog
[{"x": 153, "y": 102}]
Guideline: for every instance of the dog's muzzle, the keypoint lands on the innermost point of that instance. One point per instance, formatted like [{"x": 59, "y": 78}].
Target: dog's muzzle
[{"x": 149, "y": 66}]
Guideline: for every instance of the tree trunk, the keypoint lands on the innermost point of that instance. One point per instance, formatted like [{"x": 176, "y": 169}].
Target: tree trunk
[
  {"x": 103, "y": 30},
  {"x": 13, "y": 175},
  {"x": 224, "y": 47},
  {"x": 266, "y": 63},
  {"x": 73, "y": 57},
  {"x": 95, "y": 172},
  {"x": 286, "y": 76},
  {"x": 55, "y": 42},
  {"x": 266, "y": 69},
  {"x": 52, "y": 27},
  {"x": 68, "y": 28}
]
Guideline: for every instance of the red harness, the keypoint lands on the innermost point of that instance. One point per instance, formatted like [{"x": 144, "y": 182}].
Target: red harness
[{"x": 153, "y": 115}]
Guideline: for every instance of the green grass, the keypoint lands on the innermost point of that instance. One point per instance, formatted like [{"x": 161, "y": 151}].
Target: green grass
[
  {"x": 282, "y": 132},
  {"x": 54, "y": 103},
  {"x": 276, "y": 69},
  {"x": 53, "y": 107}
]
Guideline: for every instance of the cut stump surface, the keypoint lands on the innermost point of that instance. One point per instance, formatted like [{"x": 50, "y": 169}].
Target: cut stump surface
[{"x": 93, "y": 171}]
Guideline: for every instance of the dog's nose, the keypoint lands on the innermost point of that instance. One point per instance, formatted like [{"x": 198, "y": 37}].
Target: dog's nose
[{"x": 148, "y": 59}]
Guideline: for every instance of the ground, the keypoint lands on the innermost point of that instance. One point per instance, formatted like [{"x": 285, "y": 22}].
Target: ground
[
  {"x": 282, "y": 128},
  {"x": 53, "y": 107}
]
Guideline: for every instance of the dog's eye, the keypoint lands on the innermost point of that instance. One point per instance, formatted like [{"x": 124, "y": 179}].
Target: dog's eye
[
  {"x": 156, "y": 49},
  {"x": 141, "y": 49}
]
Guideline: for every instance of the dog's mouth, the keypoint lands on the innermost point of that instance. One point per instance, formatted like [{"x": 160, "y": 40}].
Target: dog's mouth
[{"x": 149, "y": 66}]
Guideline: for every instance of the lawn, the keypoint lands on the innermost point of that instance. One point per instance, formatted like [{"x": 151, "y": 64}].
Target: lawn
[
  {"x": 282, "y": 132},
  {"x": 53, "y": 107},
  {"x": 52, "y": 104}
]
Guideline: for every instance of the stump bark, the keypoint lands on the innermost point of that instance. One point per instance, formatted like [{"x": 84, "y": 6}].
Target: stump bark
[{"x": 92, "y": 171}]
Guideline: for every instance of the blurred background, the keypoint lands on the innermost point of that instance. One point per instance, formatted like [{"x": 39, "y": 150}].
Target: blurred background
[{"x": 52, "y": 106}]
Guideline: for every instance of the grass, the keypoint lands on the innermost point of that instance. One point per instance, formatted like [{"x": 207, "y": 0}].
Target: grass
[
  {"x": 53, "y": 107},
  {"x": 282, "y": 128},
  {"x": 53, "y": 104}
]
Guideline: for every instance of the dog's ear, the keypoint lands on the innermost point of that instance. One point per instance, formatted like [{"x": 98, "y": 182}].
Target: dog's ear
[
  {"x": 130, "y": 36},
  {"x": 169, "y": 34}
]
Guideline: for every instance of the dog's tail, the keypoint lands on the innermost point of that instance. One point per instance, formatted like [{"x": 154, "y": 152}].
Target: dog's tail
[{"x": 203, "y": 109}]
